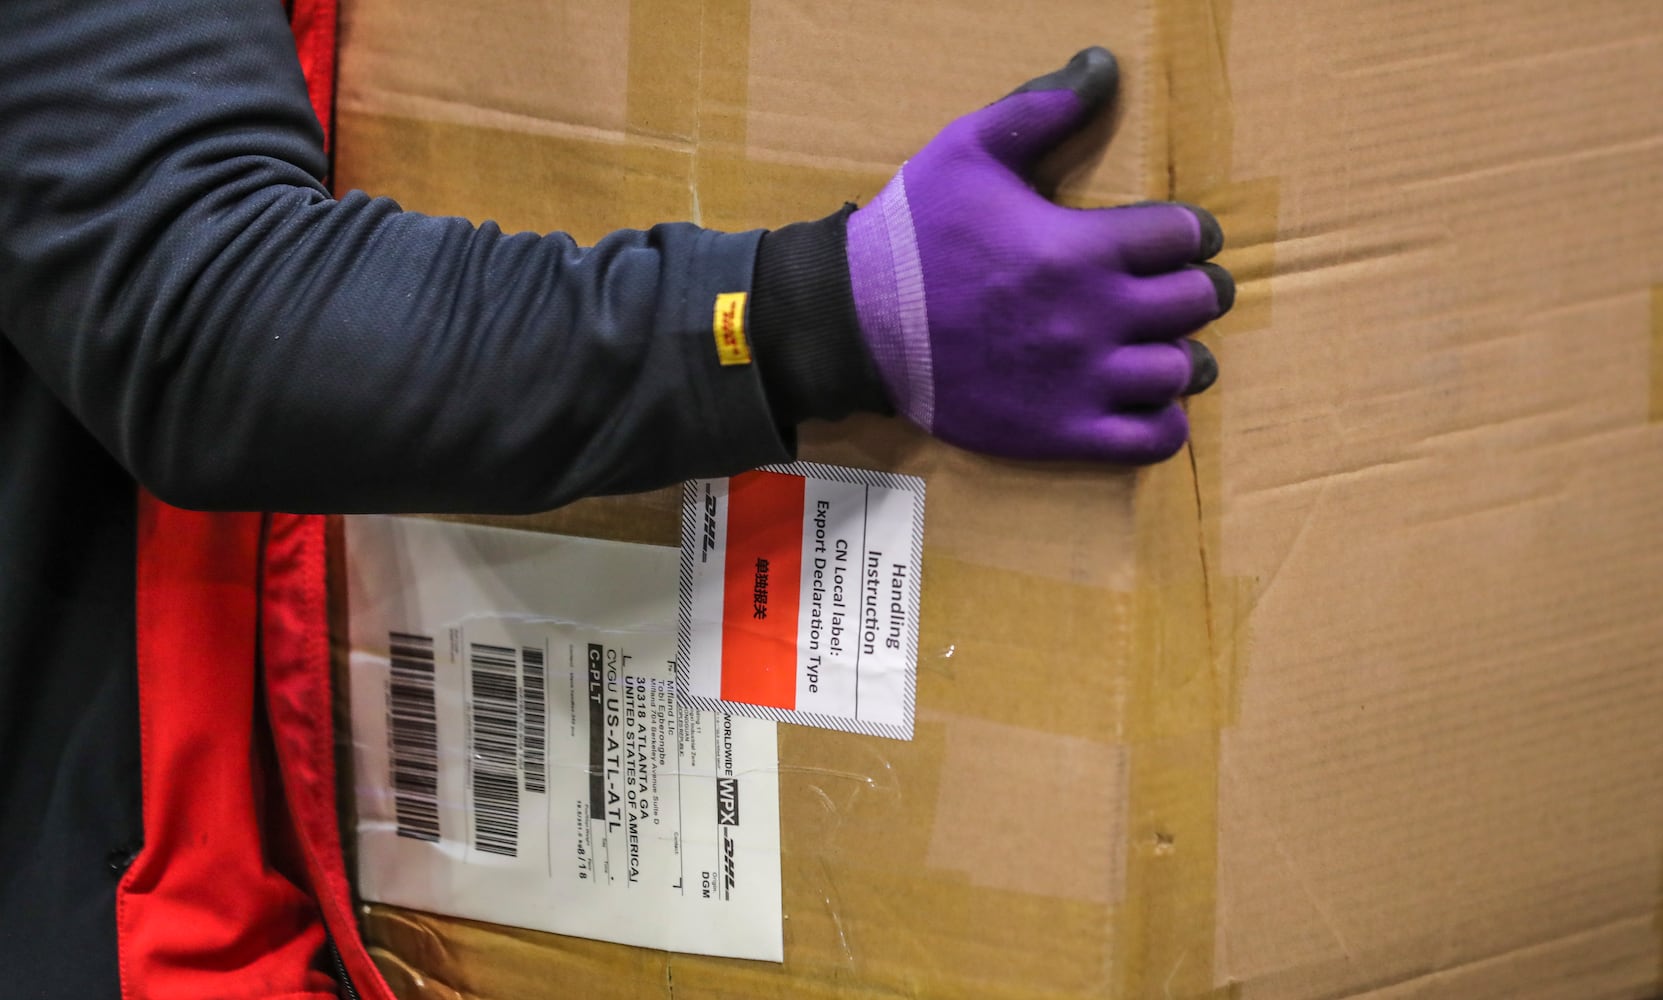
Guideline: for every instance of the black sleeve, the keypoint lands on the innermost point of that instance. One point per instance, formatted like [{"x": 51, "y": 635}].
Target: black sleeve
[{"x": 172, "y": 269}]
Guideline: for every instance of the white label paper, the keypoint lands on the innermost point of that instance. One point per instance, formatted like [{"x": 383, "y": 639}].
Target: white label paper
[
  {"x": 522, "y": 756},
  {"x": 800, "y": 595}
]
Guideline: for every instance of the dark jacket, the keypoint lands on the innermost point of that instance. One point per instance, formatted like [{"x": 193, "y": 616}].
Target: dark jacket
[{"x": 185, "y": 307}]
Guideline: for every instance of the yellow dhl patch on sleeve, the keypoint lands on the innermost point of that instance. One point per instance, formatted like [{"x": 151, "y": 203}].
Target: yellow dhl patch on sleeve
[{"x": 729, "y": 326}]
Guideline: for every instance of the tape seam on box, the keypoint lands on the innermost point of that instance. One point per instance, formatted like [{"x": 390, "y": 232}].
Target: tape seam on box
[{"x": 1189, "y": 636}]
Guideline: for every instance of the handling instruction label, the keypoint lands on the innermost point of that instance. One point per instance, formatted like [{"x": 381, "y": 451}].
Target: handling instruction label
[
  {"x": 522, "y": 755},
  {"x": 799, "y": 596}
]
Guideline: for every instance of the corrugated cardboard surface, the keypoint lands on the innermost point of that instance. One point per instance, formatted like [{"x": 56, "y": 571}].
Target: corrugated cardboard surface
[{"x": 1361, "y": 695}]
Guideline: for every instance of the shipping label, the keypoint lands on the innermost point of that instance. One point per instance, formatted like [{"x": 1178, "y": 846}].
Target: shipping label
[{"x": 522, "y": 755}]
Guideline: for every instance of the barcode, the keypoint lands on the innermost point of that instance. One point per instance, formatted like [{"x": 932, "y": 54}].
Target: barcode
[
  {"x": 413, "y": 735},
  {"x": 494, "y": 689},
  {"x": 534, "y": 689}
]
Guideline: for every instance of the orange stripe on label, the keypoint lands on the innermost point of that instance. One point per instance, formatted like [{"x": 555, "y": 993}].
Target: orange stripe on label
[{"x": 760, "y": 589}]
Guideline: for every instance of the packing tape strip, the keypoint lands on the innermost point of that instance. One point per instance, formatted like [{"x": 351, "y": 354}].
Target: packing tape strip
[
  {"x": 724, "y": 74},
  {"x": 683, "y": 154},
  {"x": 700, "y": 94},
  {"x": 408, "y": 981},
  {"x": 860, "y": 846},
  {"x": 428, "y": 956},
  {"x": 663, "y": 76},
  {"x": 1655, "y": 406},
  {"x": 1004, "y": 790},
  {"x": 1191, "y": 619},
  {"x": 514, "y": 178}
]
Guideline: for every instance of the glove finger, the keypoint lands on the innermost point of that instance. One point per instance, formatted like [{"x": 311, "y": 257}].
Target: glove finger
[
  {"x": 1020, "y": 128},
  {"x": 1091, "y": 75},
  {"x": 1203, "y": 367},
  {"x": 1138, "y": 438},
  {"x": 1173, "y": 305},
  {"x": 1147, "y": 376},
  {"x": 1158, "y": 236}
]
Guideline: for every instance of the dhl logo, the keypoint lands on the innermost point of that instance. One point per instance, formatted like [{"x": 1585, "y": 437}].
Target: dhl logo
[{"x": 729, "y": 325}]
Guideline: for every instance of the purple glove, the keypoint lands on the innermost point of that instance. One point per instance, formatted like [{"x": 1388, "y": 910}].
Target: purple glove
[{"x": 1005, "y": 324}]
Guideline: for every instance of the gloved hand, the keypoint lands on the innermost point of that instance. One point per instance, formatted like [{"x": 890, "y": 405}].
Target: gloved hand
[{"x": 1006, "y": 324}]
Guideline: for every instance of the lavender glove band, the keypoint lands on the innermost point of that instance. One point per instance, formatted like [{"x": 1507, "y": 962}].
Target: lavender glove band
[{"x": 887, "y": 279}]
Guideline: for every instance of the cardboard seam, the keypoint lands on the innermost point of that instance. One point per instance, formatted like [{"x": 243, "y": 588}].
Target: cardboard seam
[
  {"x": 1190, "y": 643},
  {"x": 1201, "y": 545},
  {"x": 475, "y": 116},
  {"x": 1431, "y": 975},
  {"x": 1655, "y": 400},
  {"x": 695, "y": 210}
]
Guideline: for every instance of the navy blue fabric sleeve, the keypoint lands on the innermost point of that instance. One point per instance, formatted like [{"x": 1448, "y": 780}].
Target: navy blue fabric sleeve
[{"x": 172, "y": 269}]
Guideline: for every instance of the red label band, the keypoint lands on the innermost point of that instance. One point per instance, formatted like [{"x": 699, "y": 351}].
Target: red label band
[{"x": 760, "y": 589}]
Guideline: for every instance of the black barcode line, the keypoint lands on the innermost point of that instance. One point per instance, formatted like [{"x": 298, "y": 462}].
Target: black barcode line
[
  {"x": 534, "y": 689},
  {"x": 495, "y": 714},
  {"x": 413, "y": 736}
]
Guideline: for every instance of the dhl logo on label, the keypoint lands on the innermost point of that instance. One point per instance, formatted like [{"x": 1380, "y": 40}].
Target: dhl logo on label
[{"x": 729, "y": 326}]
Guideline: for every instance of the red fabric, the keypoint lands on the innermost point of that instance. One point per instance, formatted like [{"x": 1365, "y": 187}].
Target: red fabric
[
  {"x": 202, "y": 913},
  {"x": 313, "y": 23},
  {"x": 300, "y": 702}
]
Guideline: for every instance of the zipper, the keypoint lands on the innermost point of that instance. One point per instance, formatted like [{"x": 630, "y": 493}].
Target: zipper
[{"x": 348, "y": 991}]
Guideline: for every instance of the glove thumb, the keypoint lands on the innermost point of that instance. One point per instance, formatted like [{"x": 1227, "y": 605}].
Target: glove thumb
[{"x": 1038, "y": 116}]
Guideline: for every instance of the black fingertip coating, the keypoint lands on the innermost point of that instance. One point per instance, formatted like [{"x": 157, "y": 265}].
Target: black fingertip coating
[
  {"x": 1224, "y": 284},
  {"x": 1092, "y": 74},
  {"x": 1212, "y": 234},
  {"x": 1203, "y": 367}
]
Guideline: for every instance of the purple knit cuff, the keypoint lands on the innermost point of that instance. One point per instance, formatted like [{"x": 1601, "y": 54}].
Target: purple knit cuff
[{"x": 887, "y": 280}]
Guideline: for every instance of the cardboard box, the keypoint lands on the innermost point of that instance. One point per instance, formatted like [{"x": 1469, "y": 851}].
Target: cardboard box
[{"x": 1358, "y": 697}]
